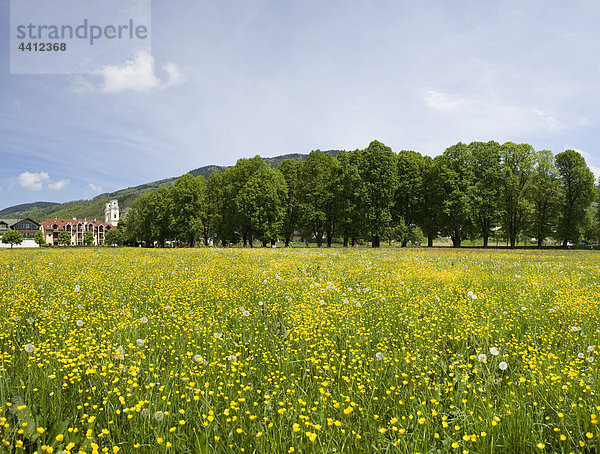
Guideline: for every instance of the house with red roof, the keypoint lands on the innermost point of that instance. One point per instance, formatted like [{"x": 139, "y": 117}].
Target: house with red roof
[{"x": 76, "y": 228}]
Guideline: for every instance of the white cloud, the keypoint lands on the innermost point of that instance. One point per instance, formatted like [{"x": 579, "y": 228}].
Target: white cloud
[
  {"x": 58, "y": 185},
  {"x": 137, "y": 75},
  {"x": 32, "y": 181},
  {"x": 442, "y": 101},
  {"x": 95, "y": 188},
  {"x": 495, "y": 117},
  {"x": 175, "y": 76}
]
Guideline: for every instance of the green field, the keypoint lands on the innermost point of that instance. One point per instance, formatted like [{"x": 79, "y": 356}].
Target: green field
[{"x": 299, "y": 350}]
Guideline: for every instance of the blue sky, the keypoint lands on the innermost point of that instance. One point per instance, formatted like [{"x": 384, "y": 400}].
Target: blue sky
[{"x": 227, "y": 80}]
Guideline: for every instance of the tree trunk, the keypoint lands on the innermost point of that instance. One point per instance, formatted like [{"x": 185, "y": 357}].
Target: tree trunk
[
  {"x": 329, "y": 239},
  {"x": 513, "y": 241},
  {"x": 345, "y": 241},
  {"x": 429, "y": 242},
  {"x": 375, "y": 242},
  {"x": 485, "y": 241},
  {"x": 287, "y": 241},
  {"x": 539, "y": 241},
  {"x": 264, "y": 243},
  {"x": 404, "y": 243},
  {"x": 456, "y": 241},
  {"x": 244, "y": 236},
  {"x": 353, "y": 242},
  {"x": 565, "y": 245},
  {"x": 205, "y": 234},
  {"x": 250, "y": 240},
  {"x": 319, "y": 240}
]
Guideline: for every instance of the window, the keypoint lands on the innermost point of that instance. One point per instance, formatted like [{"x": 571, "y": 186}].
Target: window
[{"x": 25, "y": 225}]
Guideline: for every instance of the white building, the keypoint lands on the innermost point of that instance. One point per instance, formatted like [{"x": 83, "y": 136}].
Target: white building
[{"x": 111, "y": 212}]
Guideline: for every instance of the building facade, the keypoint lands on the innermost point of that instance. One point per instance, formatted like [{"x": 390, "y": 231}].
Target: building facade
[
  {"x": 27, "y": 227},
  {"x": 111, "y": 212},
  {"x": 76, "y": 228}
]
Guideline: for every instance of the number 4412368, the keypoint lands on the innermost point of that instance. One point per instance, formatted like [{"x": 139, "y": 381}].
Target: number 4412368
[{"x": 43, "y": 47}]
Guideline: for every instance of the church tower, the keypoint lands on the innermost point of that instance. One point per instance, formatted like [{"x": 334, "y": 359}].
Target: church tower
[{"x": 111, "y": 212}]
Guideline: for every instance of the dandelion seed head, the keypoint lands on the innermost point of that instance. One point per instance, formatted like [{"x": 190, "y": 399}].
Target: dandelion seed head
[
  {"x": 120, "y": 353},
  {"x": 199, "y": 359}
]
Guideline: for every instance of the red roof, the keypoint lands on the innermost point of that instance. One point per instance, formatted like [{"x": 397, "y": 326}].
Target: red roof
[{"x": 62, "y": 223}]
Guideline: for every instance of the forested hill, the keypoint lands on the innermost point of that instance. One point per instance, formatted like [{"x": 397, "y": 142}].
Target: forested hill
[
  {"x": 24, "y": 207},
  {"x": 94, "y": 208}
]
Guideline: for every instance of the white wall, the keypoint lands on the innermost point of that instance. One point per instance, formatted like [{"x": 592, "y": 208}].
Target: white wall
[{"x": 27, "y": 242}]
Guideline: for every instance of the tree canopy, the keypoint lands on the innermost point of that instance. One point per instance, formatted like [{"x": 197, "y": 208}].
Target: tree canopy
[
  {"x": 471, "y": 191},
  {"x": 12, "y": 237}
]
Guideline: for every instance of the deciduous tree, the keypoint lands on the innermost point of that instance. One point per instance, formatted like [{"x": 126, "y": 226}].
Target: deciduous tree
[
  {"x": 379, "y": 176},
  {"x": 577, "y": 184},
  {"x": 261, "y": 200},
  {"x": 517, "y": 168},
  {"x": 39, "y": 238},
  {"x": 88, "y": 237},
  {"x": 189, "y": 207},
  {"x": 64, "y": 238},
  {"x": 290, "y": 169},
  {"x": 453, "y": 178},
  {"x": 12, "y": 237},
  {"x": 316, "y": 194},
  {"x": 544, "y": 194},
  {"x": 484, "y": 189},
  {"x": 113, "y": 237}
]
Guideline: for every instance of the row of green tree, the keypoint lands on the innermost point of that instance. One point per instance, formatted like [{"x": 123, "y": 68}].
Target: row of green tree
[{"x": 471, "y": 191}]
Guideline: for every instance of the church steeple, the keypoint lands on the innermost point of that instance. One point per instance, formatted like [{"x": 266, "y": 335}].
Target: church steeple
[{"x": 111, "y": 212}]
